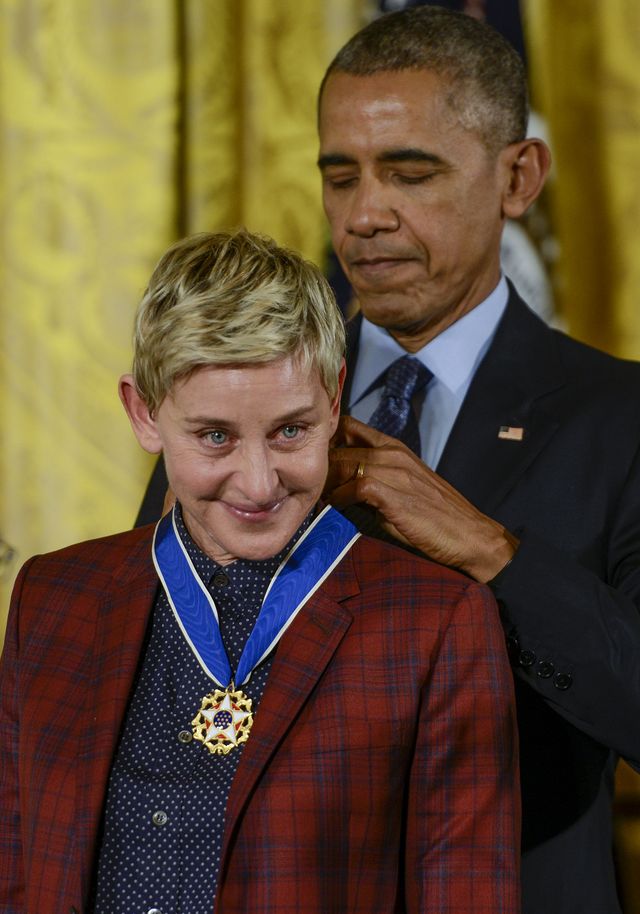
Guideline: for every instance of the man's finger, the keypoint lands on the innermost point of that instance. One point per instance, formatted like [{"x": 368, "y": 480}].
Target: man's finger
[
  {"x": 353, "y": 433},
  {"x": 353, "y": 493},
  {"x": 349, "y": 463}
]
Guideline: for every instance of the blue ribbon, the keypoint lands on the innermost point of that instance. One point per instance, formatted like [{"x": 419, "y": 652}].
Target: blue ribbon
[{"x": 311, "y": 560}]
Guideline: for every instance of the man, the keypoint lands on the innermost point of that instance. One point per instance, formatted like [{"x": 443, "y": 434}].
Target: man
[
  {"x": 299, "y": 719},
  {"x": 423, "y": 153}
]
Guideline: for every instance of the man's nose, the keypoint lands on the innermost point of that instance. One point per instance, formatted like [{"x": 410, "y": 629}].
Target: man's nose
[{"x": 371, "y": 211}]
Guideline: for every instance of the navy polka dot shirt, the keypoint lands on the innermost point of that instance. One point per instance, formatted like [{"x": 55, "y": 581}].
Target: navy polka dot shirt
[{"x": 167, "y": 795}]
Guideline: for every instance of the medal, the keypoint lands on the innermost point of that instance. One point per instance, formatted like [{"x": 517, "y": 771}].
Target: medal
[
  {"x": 223, "y": 721},
  {"x": 225, "y": 716}
]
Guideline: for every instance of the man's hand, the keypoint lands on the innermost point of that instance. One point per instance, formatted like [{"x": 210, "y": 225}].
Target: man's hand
[{"x": 415, "y": 504}]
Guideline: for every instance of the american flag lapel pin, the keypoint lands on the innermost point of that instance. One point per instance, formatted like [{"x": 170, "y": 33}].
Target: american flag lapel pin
[{"x": 511, "y": 433}]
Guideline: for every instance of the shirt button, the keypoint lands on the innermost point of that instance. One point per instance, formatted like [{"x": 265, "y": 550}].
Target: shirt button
[
  {"x": 159, "y": 818},
  {"x": 185, "y": 736},
  {"x": 154, "y": 911},
  {"x": 220, "y": 579}
]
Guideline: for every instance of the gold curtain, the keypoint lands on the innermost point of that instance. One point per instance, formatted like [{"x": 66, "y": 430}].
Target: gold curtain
[
  {"x": 123, "y": 126},
  {"x": 584, "y": 63},
  {"x": 586, "y": 80}
]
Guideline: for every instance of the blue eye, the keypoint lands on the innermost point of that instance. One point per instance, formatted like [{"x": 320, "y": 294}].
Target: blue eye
[
  {"x": 290, "y": 431},
  {"x": 217, "y": 437}
]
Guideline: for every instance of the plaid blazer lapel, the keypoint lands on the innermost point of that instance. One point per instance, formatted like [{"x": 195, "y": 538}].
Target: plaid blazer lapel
[
  {"x": 302, "y": 656},
  {"x": 121, "y": 624}
]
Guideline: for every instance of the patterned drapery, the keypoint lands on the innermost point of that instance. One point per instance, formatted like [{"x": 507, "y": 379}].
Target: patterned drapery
[
  {"x": 584, "y": 64},
  {"x": 584, "y": 56}
]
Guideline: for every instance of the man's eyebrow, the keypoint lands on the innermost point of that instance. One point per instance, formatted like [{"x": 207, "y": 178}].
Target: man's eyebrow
[
  {"x": 410, "y": 154},
  {"x": 402, "y": 154},
  {"x": 334, "y": 158}
]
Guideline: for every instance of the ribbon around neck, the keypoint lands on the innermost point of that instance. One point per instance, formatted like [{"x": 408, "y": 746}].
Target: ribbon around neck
[{"x": 300, "y": 574}]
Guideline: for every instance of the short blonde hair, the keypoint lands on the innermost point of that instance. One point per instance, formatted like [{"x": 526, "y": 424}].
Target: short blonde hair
[{"x": 231, "y": 298}]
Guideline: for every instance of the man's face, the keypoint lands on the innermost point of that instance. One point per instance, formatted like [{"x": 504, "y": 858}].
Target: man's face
[
  {"x": 413, "y": 199},
  {"x": 246, "y": 452}
]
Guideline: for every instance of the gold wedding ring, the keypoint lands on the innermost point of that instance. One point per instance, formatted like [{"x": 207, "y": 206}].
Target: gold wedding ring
[{"x": 360, "y": 470}]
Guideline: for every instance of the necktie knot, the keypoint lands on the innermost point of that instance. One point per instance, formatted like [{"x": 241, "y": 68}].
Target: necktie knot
[
  {"x": 404, "y": 377},
  {"x": 394, "y": 414}
]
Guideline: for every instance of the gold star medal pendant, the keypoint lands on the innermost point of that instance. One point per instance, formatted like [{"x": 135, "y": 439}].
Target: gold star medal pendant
[
  {"x": 225, "y": 717},
  {"x": 223, "y": 721}
]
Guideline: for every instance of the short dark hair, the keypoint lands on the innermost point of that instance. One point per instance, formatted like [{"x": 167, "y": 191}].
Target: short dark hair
[{"x": 487, "y": 80}]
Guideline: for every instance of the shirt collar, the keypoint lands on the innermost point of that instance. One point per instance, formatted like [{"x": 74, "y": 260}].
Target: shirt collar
[
  {"x": 452, "y": 356},
  {"x": 260, "y": 570}
]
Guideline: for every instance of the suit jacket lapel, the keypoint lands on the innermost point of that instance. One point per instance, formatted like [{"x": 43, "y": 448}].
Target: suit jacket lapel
[
  {"x": 121, "y": 624},
  {"x": 353, "y": 328},
  {"x": 302, "y": 657},
  {"x": 520, "y": 368}
]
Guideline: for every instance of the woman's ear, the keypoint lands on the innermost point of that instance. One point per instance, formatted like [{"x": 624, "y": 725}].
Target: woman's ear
[{"x": 142, "y": 422}]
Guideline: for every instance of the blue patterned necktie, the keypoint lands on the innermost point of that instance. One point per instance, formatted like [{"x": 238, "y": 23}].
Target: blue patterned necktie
[{"x": 394, "y": 415}]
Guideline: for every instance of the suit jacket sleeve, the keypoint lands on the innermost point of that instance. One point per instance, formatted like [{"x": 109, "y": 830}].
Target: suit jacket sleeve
[
  {"x": 570, "y": 490},
  {"x": 574, "y": 632},
  {"x": 463, "y": 832}
]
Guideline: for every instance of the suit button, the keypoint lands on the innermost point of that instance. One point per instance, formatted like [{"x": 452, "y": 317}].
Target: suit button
[
  {"x": 545, "y": 669},
  {"x": 185, "y": 736},
  {"x": 159, "y": 818},
  {"x": 526, "y": 658},
  {"x": 563, "y": 681}
]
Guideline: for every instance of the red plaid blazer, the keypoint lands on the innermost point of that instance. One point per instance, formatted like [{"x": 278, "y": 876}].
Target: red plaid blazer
[{"x": 380, "y": 775}]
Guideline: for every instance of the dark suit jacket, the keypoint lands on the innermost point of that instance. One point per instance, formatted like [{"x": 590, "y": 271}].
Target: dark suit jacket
[
  {"x": 380, "y": 774},
  {"x": 571, "y": 491}
]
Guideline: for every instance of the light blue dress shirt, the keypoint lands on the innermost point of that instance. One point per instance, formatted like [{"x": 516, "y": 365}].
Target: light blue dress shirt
[{"x": 453, "y": 357}]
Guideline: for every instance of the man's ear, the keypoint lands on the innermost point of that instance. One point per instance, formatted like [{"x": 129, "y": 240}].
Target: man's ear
[
  {"x": 527, "y": 164},
  {"x": 142, "y": 422},
  {"x": 335, "y": 404}
]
